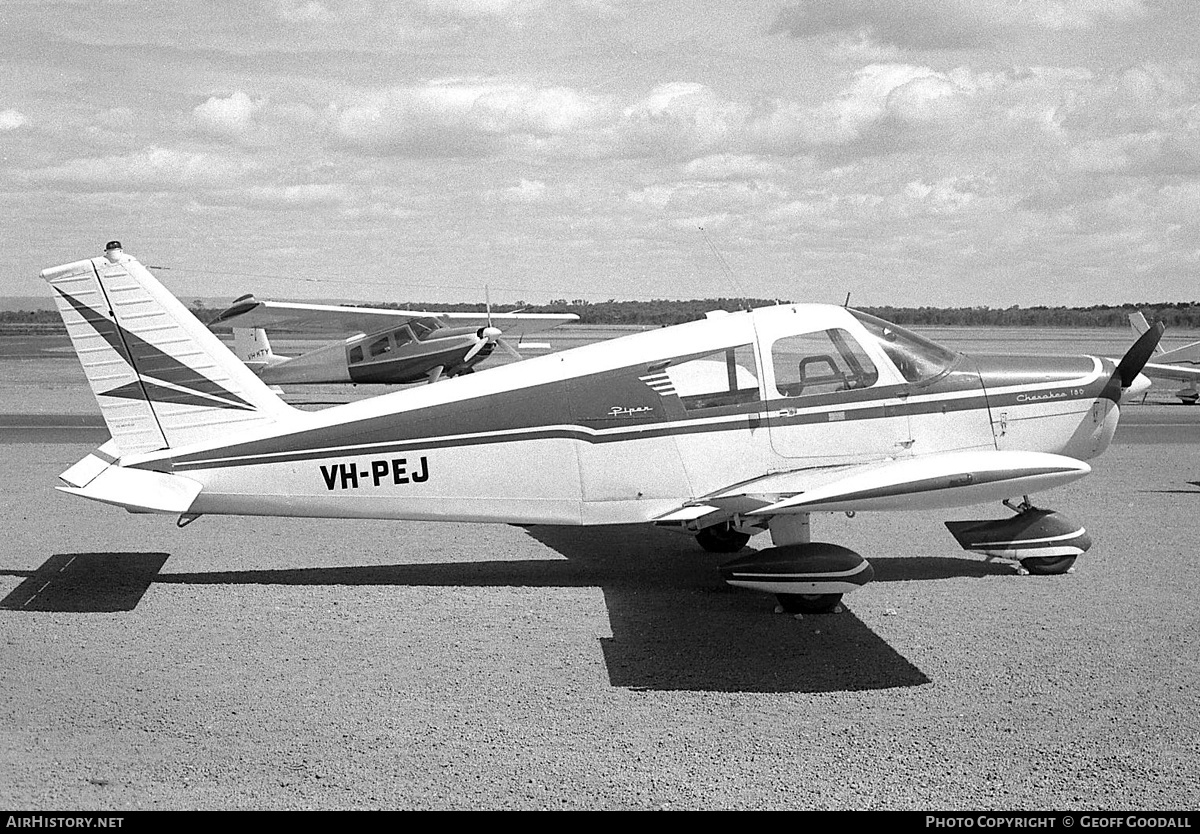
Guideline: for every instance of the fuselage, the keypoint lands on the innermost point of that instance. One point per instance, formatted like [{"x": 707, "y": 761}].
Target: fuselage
[
  {"x": 397, "y": 356},
  {"x": 629, "y": 429}
]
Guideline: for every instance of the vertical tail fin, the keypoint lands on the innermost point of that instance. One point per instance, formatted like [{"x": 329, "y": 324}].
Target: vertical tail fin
[
  {"x": 162, "y": 379},
  {"x": 1138, "y": 322},
  {"x": 253, "y": 348}
]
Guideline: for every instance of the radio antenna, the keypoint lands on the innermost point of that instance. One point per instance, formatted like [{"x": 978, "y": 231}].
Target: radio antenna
[{"x": 725, "y": 267}]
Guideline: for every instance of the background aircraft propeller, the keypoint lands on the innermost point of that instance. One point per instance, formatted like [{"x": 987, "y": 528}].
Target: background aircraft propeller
[
  {"x": 490, "y": 334},
  {"x": 1136, "y": 357}
]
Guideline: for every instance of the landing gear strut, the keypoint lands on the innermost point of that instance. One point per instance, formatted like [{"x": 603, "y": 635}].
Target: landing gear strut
[
  {"x": 809, "y": 603},
  {"x": 806, "y": 577},
  {"x": 722, "y": 538}
]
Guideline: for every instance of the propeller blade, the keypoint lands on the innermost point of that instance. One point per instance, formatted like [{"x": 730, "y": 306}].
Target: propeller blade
[
  {"x": 475, "y": 348},
  {"x": 1136, "y": 357},
  {"x": 484, "y": 336}
]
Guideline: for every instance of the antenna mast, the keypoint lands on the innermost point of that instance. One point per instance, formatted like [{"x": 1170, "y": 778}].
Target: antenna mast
[{"x": 725, "y": 267}]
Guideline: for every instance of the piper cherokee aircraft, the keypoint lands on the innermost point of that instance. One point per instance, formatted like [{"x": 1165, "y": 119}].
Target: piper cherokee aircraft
[
  {"x": 386, "y": 346},
  {"x": 737, "y": 424},
  {"x": 1181, "y": 364}
]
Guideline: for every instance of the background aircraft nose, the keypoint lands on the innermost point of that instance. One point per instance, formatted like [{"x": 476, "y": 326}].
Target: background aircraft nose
[{"x": 1141, "y": 384}]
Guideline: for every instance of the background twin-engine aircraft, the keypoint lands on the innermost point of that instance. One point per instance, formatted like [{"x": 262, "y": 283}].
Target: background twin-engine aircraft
[
  {"x": 1181, "y": 364},
  {"x": 373, "y": 344},
  {"x": 723, "y": 428}
]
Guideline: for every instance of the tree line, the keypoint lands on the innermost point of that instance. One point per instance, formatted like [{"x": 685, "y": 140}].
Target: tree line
[{"x": 1181, "y": 315}]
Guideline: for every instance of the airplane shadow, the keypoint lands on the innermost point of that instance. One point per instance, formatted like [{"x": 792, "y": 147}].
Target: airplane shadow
[
  {"x": 85, "y": 583},
  {"x": 675, "y": 624}
]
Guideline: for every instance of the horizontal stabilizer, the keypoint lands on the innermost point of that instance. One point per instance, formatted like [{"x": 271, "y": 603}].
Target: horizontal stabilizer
[
  {"x": 140, "y": 490},
  {"x": 83, "y": 472},
  {"x": 953, "y": 479}
]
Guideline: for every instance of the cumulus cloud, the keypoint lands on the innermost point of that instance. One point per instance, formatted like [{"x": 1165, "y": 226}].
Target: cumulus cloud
[
  {"x": 731, "y": 166},
  {"x": 11, "y": 119},
  {"x": 948, "y": 24},
  {"x": 527, "y": 191},
  {"x": 697, "y": 197},
  {"x": 310, "y": 195},
  {"x": 680, "y": 118},
  {"x": 231, "y": 117},
  {"x": 482, "y": 8},
  {"x": 411, "y": 14},
  {"x": 454, "y": 117},
  {"x": 301, "y": 11},
  {"x": 161, "y": 169}
]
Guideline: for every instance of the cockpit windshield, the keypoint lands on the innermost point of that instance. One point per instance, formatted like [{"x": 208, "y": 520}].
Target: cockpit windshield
[
  {"x": 916, "y": 357},
  {"x": 424, "y": 328}
]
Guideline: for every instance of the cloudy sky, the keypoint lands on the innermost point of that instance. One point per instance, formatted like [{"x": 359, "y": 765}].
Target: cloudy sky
[{"x": 941, "y": 152}]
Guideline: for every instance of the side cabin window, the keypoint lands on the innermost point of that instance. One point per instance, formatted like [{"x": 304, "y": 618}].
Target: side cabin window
[
  {"x": 724, "y": 377},
  {"x": 380, "y": 346},
  {"x": 356, "y": 354},
  {"x": 402, "y": 336},
  {"x": 821, "y": 363}
]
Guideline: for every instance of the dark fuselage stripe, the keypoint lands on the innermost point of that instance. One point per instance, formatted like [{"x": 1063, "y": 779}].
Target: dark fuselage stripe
[
  {"x": 733, "y": 422},
  {"x": 579, "y": 409}
]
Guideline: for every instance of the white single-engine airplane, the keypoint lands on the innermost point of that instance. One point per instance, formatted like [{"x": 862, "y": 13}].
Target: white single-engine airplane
[
  {"x": 733, "y": 425},
  {"x": 381, "y": 345},
  {"x": 1181, "y": 364}
]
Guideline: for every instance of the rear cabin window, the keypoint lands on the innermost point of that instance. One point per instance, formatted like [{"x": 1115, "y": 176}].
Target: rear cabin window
[
  {"x": 821, "y": 363},
  {"x": 724, "y": 377},
  {"x": 356, "y": 354}
]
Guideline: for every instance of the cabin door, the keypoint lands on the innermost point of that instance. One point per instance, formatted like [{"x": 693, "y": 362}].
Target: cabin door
[{"x": 826, "y": 401}]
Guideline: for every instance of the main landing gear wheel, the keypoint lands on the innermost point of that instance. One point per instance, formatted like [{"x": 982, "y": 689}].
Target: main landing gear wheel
[
  {"x": 1048, "y": 565},
  {"x": 809, "y": 603},
  {"x": 722, "y": 538}
]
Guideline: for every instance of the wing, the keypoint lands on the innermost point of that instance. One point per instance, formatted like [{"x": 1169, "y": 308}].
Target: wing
[
  {"x": 511, "y": 324},
  {"x": 316, "y": 319},
  {"x": 1182, "y": 373},
  {"x": 1186, "y": 355},
  {"x": 951, "y": 479},
  {"x": 339, "y": 320}
]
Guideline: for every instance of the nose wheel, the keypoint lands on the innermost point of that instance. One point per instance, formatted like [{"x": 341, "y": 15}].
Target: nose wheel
[
  {"x": 1043, "y": 542},
  {"x": 1048, "y": 565}
]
